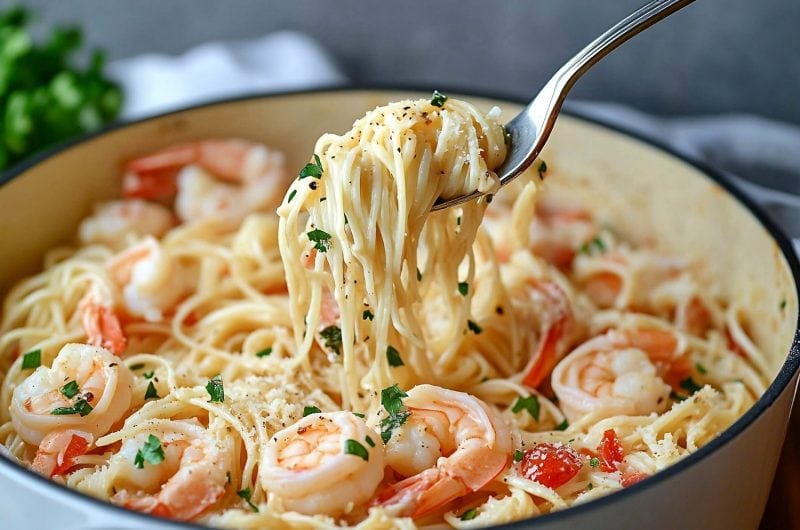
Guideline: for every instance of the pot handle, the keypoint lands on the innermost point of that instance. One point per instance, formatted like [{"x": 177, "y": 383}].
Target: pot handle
[{"x": 782, "y": 207}]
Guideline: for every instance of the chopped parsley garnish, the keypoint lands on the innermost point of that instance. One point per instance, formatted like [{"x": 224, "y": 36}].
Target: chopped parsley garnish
[
  {"x": 393, "y": 356},
  {"x": 151, "y": 452},
  {"x": 595, "y": 244},
  {"x": 518, "y": 455},
  {"x": 590, "y": 486},
  {"x": 530, "y": 403},
  {"x": 332, "y": 336},
  {"x": 70, "y": 390},
  {"x": 458, "y": 220},
  {"x": 310, "y": 409},
  {"x": 367, "y": 315},
  {"x": 151, "y": 392},
  {"x": 562, "y": 426},
  {"x": 352, "y": 447},
  {"x": 369, "y": 441},
  {"x": 264, "y": 352},
  {"x": 438, "y": 99},
  {"x": 149, "y": 375},
  {"x": 215, "y": 389},
  {"x": 359, "y": 415},
  {"x": 473, "y": 327},
  {"x": 392, "y": 401},
  {"x": 542, "y": 169},
  {"x": 419, "y": 275},
  {"x": 783, "y": 303},
  {"x": 312, "y": 169},
  {"x": 246, "y": 494},
  {"x": 291, "y": 196},
  {"x": 700, "y": 368},
  {"x": 137, "y": 366},
  {"x": 463, "y": 288},
  {"x": 32, "y": 359},
  {"x": 321, "y": 239},
  {"x": 81, "y": 407},
  {"x": 690, "y": 385},
  {"x": 594, "y": 462},
  {"x": 470, "y": 514}
]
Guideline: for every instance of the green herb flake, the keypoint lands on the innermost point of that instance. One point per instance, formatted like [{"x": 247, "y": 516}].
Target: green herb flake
[
  {"x": 332, "y": 337},
  {"x": 264, "y": 352},
  {"x": 321, "y": 239},
  {"x": 149, "y": 375},
  {"x": 359, "y": 415},
  {"x": 137, "y": 366},
  {"x": 367, "y": 315},
  {"x": 562, "y": 426},
  {"x": 246, "y": 494},
  {"x": 594, "y": 462},
  {"x": 32, "y": 359},
  {"x": 81, "y": 407},
  {"x": 463, "y": 288},
  {"x": 438, "y": 99},
  {"x": 542, "y": 169},
  {"x": 419, "y": 275},
  {"x": 310, "y": 409},
  {"x": 392, "y": 401},
  {"x": 70, "y": 390},
  {"x": 352, "y": 447},
  {"x": 593, "y": 246},
  {"x": 589, "y": 486},
  {"x": 470, "y": 514},
  {"x": 312, "y": 169},
  {"x": 151, "y": 452},
  {"x": 530, "y": 403},
  {"x": 393, "y": 356},
  {"x": 291, "y": 196},
  {"x": 458, "y": 220},
  {"x": 700, "y": 368},
  {"x": 690, "y": 385},
  {"x": 518, "y": 455},
  {"x": 369, "y": 441},
  {"x": 783, "y": 304},
  {"x": 215, "y": 389},
  {"x": 473, "y": 327},
  {"x": 151, "y": 392}
]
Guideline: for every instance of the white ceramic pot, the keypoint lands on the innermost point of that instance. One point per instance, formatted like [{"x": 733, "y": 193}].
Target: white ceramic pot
[{"x": 642, "y": 190}]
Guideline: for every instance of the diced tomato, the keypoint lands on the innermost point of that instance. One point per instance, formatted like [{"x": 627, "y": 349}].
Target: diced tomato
[
  {"x": 551, "y": 464},
  {"x": 77, "y": 446},
  {"x": 698, "y": 317},
  {"x": 633, "y": 478},
  {"x": 610, "y": 451}
]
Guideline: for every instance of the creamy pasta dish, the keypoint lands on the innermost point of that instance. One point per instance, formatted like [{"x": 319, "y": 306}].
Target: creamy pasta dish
[{"x": 243, "y": 346}]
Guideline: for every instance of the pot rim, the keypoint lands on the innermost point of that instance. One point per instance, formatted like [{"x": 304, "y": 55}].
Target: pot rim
[{"x": 778, "y": 385}]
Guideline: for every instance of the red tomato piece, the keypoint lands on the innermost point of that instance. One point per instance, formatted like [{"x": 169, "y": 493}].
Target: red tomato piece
[
  {"x": 551, "y": 464},
  {"x": 610, "y": 451},
  {"x": 77, "y": 446}
]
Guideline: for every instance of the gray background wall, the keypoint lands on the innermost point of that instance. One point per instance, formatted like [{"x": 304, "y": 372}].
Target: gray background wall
[{"x": 715, "y": 56}]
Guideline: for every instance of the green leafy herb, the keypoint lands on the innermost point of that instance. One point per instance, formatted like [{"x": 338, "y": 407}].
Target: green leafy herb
[
  {"x": 45, "y": 97},
  {"x": 463, "y": 288},
  {"x": 690, "y": 385},
  {"x": 246, "y": 494},
  {"x": 470, "y": 514},
  {"x": 438, "y": 99},
  {"x": 542, "y": 169},
  {"x": 369, "y": 441},
  {"x": 81, "y": 407},
  {"x": 151, "y": 452},
  {"x": 321, "y": 239},
  {"x": 473, "y": 327},
  {"x": 518, "y": 455},
  {"x": 393, "y": 356},
  {"x": 310, "y": 409},
  {"x": 215, "y": 389},
  {"x": 458, "y": 220},
  {"x": 151, "y": 392},
  {"x": 359, "y": 415},
  {"x": 392, "y": 401},
  {"x": 530, "y": 403},
  {"x": 367, "y": 315},
  {"x": 594, "y": 462},
  {"x": 264, "y": 352},
  {"x": 32, "y": 359},
  {"x": 700, "y": 368},
  {"x": 593, "y": 246},
  {"x": 783, "y": 303},
  {"x": 137, "y": 366},
  {"x": 590, "y": 486},
  {"x": 312, "y": 169},
  {"x": 562, "y": 426},
  {"x": 332, "y": 336},
  {"x": 419, "y": 275},
  {"x": 70, "y": 390},
  {"x": 352, "y": 447},
  {"x": 291, "y": 196},
  {"x": 149, "y": 375}
]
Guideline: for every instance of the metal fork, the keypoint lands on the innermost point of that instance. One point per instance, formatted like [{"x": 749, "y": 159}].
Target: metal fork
[{"x": 529, "y": 129}]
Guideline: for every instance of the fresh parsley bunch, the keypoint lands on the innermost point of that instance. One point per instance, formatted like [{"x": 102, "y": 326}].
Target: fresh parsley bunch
[{"x": 44, "y": 98}]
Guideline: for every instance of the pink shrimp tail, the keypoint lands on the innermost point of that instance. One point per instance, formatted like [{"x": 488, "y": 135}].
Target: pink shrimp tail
[{"x": 102, "y": 328}]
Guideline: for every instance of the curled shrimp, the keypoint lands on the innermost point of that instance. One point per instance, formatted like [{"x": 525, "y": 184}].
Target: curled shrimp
[
  {"x": 112, "y": 221},
  {"x": 223, "y": 179},
  {"x": 190, "y": 478},
  {"x": 451, "y": 444},
  {"x": 620, "y": 372},
  {"x": 325, "y": 463},
  {"x": 100, "y": 321},
  {"x": 152, "y": 281},
  {"x": 64, "y": 408}
]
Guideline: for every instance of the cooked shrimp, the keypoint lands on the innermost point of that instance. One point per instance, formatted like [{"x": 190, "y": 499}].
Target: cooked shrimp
[
  {"x": 112, "y": 221},
  {"x": 100, "y": 322},
  {"x": 620, "y": 372},
  {"x": 559, "y": 231},
  {"x": 194, "y": 172},
  {"x": 325, "y": 463},
  {"x": 191, "y": 477},
  {"x": 84, "y": 392},
  {"x": 451, "y": 444},
  {"x": 152, "y": 281}
]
